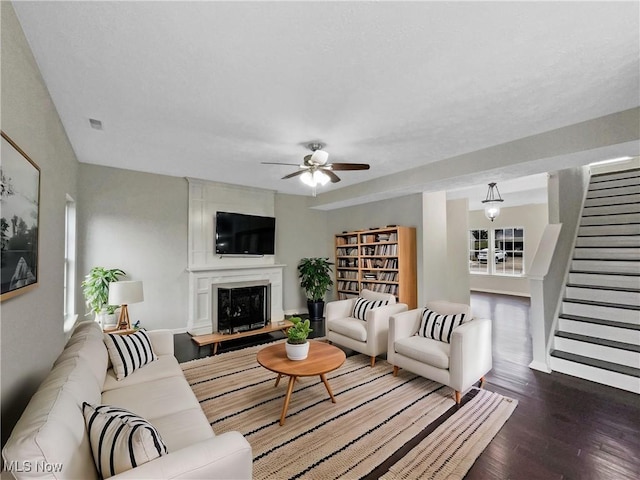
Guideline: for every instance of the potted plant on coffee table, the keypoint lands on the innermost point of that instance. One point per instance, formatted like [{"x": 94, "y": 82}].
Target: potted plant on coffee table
[
  {"x": 297, "y": 346},
  {"x": 315, "y": 280},
  {"x": 95, "y": 288}
]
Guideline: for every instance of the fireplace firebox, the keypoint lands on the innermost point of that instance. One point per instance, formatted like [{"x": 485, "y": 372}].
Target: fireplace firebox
[{"x": 242, "y": 306}]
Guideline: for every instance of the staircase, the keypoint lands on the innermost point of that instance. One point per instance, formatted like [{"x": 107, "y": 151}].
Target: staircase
[{"x": 598, "y": 334}]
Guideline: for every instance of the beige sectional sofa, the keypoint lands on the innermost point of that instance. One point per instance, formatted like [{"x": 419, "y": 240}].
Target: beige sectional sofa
[{"x": 51, "y": 433}]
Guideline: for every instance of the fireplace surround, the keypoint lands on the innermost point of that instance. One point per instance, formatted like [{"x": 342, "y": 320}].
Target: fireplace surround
[{"x": 204, "y": 282}]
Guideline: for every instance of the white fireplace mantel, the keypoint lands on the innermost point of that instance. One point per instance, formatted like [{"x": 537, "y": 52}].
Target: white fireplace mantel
[{"x": 203, "y": 279}]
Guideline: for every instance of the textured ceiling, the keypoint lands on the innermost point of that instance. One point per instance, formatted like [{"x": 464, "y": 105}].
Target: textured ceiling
[{"x": 212, "y": 89}]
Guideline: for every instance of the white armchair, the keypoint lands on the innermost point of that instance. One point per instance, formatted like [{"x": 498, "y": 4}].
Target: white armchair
[
  {"x": 458, "y": 365},
  {"x": 367, "y": 336}
]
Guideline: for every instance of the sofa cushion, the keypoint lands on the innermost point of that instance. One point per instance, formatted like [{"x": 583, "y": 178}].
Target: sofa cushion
[
  {"x": 362, "y": 306},
  {"x": 153, "y": 399},
  {"x": 129, "y": 352},
  {"x": 424, "y": 350},
  {"x": 183, "y": 428},
  {"x": 120, "y": 440},
  {"x": 350, "y": 327},
  {"x": 439, "y": 327},
  {"x": 164, "y": 366}
]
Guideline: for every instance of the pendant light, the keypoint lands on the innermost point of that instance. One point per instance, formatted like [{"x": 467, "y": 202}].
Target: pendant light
[{"x": 492, "y": 202}]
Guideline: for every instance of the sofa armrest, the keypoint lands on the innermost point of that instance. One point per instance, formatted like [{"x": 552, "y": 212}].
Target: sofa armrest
[
  {"x": 378, "y": 318},
  {"x": 225, "y": 456},
  {"x": 339, "y": 309},
  {"x": 470, "y": 354},
  {"x": 162, "y": 341},
  {"x": 404, "y": 325}
]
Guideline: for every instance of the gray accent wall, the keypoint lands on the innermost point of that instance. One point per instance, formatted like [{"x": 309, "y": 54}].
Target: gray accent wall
[
  {"x": 137, "y": 222},
  {"x": 33, "y": 324}
]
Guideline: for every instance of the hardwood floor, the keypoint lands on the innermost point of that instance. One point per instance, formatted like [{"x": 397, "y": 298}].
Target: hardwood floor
[{"x": 563, "y": 427}]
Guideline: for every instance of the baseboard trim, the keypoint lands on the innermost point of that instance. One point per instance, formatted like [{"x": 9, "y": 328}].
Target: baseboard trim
[{"x": 540, "y": 366}]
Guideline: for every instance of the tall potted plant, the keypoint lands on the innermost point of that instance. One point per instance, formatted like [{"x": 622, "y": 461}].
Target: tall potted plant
[
  {"x": 315, "y": 279},
  {"x": 95, "y": 288},
  {"x": 297, "y": 346}
]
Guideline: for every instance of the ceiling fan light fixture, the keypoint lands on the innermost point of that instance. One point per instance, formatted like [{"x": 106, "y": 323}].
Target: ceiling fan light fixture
[
  {"x": 319, "y": 157},
  {"x": 320, "y": 178},
  {"x": 307, "y": 179},
  {"x": 492, "y": 202}
]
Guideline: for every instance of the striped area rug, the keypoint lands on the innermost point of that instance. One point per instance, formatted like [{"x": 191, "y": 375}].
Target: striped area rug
[{"x": 375, "y": 415}]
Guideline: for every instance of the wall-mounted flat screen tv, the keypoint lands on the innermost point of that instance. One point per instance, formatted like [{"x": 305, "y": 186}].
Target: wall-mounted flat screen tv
[{"x": 240, "y": 234}]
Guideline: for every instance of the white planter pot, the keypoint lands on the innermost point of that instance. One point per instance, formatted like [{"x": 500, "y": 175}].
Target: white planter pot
[
  {"x": 107, "y": 320},
  {"x": 297, "y": 351}
]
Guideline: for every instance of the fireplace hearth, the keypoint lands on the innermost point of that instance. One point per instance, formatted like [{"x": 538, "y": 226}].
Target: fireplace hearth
[{"x": 241, "y": 306}]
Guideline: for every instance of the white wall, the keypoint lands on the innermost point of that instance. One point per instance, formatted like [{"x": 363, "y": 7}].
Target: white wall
[
  {"x": 137, "y": 222},
  {"x": 300, "y": 232},
  {"x": 434, "y": 248},
  {"x": 32, "y": 323},
  {"x": 458, "y": 281},
  {"x": 533, "y": 218}
]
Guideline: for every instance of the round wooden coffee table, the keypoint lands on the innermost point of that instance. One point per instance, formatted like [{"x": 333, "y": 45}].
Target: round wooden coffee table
[{"x": 323, "y": 358}]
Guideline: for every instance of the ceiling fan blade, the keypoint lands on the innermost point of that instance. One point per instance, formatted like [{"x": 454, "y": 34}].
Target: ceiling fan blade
[
  {"x": 294, "y": 174},
  {"x": 349, "y": 166},
  {"x": 279, "y": 163},
  {"x": 334, "y": 178}
]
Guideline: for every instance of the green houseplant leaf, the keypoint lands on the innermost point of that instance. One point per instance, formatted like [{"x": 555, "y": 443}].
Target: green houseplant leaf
[
  {"x": 298, "y": 333},
  {"x": 315, "y": 277},
  {"x": 95, "y": 288}
]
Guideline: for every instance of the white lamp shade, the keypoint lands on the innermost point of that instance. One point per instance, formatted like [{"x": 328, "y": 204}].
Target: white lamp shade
[
  {"x": 320, "y": 178},
  {"x": 307, "y": 179},
  {"x": 125, "y": 293},
  {"x": 319, "y": 157}
]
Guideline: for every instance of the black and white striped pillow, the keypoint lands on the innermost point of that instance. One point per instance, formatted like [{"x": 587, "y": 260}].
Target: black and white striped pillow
[
  {"x": 120, "y": 440},
  {"x": 362, "y": 306},
  {"x": 439, "y": 327},
  {"x": 129, "y": 352}
]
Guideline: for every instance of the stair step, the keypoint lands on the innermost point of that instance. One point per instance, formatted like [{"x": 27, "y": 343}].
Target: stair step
[
  {"x": 632, "y": 207},
  {"x": 605, "y": 279},
  {"x": 604, "y": 265},
  {"x": 607, "y": 373},
  {"x": 615, "y": 352},
  {"x": 609, "y": 241},
  {"x": 606, "y": 230},
  {"x": 595, "y": 327},
  {"x": 606, "y": 176},
  {"x": 611, "y": 295},
  {"x": 599, "y": 341},
  {"x": 613, "y": 183},
  {"x": 611, "y": 192},
  {"x": 603, "y": 310},
  {"x": 612, "y": 200},
  {"x": 608, "y": 253},
  {"x": 614, "y": 219}
]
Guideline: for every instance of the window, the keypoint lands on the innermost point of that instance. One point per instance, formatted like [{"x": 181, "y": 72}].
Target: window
[
  {"x": 69, "y": 282},
  {"x": 510, "y": 241},
  {"x": 497, "y": 252},
  {"x": 478, "y": 242}
]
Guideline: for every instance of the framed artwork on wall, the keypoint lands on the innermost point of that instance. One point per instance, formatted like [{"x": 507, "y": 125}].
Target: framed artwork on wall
[{"x": 19, "y": 210}]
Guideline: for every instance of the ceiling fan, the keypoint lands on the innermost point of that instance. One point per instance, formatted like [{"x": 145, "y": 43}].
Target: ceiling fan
[{"x": 316, "y": 171}]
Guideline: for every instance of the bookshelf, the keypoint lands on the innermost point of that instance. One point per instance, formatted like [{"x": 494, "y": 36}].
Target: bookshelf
[{"x": 381, "y": 259}]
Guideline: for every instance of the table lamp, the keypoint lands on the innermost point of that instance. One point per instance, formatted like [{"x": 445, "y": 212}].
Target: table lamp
[{"x": 124, "y": 293}]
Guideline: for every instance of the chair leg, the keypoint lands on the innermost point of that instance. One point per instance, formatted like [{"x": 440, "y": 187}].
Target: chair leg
[
  {"x": 395, "y": 370},
  {"x": 373, "y": 361},
  {"x": 458, "y": 397}
]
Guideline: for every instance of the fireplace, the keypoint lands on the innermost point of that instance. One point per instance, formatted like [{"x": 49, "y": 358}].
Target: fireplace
[{"x": 240, "y": 306}]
